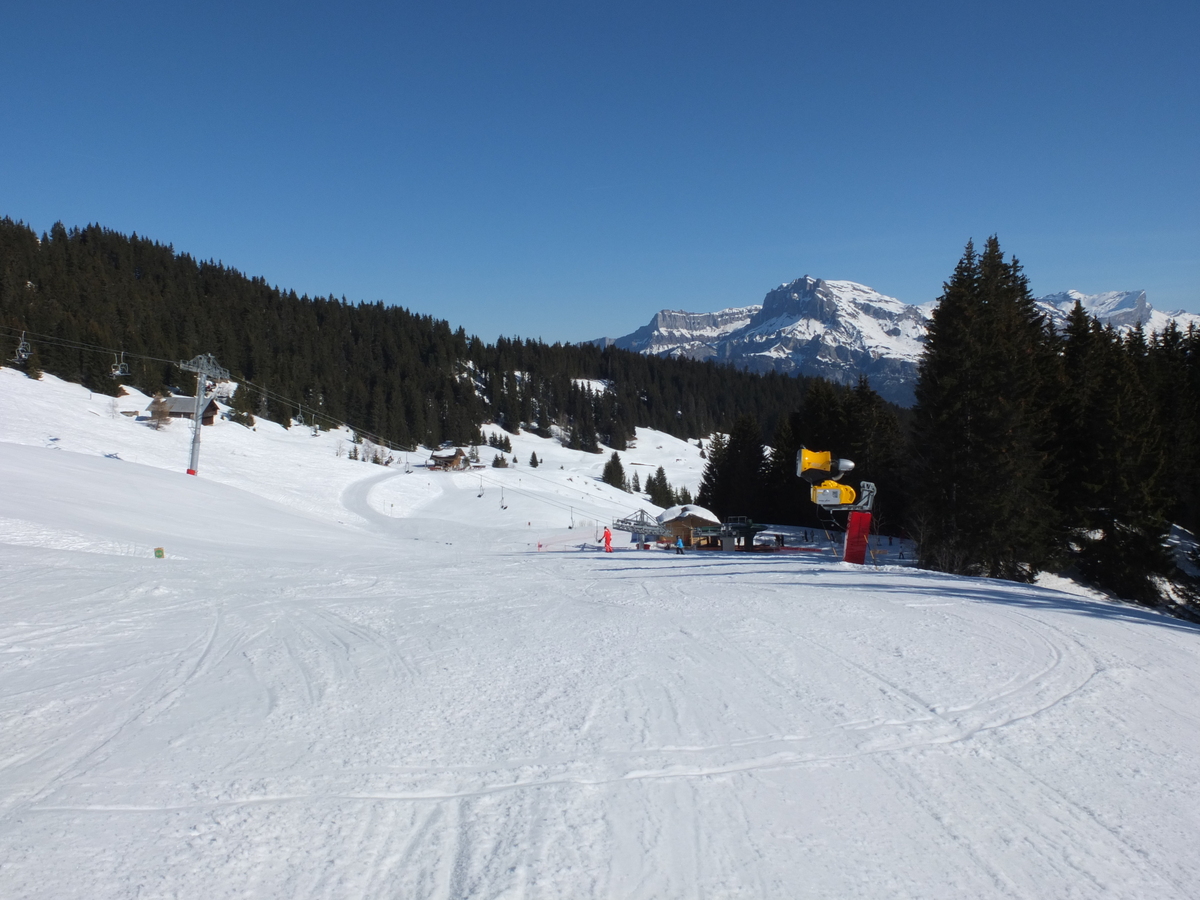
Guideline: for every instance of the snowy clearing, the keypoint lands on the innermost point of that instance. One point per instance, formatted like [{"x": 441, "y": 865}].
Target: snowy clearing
[{"x": 350, "y": 681}]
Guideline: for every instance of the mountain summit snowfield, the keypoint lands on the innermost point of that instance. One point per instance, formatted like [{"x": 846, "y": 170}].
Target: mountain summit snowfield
[
  {"x": 840, "y": 330},
  {"x": 344, "y": 680}
]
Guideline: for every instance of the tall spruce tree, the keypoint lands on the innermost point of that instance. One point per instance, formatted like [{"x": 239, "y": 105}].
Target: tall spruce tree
[
  {"x": 659, "y": 489},
  {"x": 614, "y": 472},
  {"x": 734, "y": 479},
  {"x": 1111, "y": 461},
  {"x": 981, "y": 433},
  {"x": 876, "y": 446},
  {"x": 1173, "y": 378}
]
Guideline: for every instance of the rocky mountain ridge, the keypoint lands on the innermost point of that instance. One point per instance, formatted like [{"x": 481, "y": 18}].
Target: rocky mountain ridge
[{"x": 841, "y": 329}]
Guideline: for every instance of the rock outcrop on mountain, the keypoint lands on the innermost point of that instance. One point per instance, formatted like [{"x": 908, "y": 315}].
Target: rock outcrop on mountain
[
  {"x": 840, "y": 329},
  {"x": 835, "y": 329}
]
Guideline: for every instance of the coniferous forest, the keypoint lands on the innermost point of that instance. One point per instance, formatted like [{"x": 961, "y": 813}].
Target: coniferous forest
[
  {"x": 1032, "y": 449},
  {"x": 404, "y": 377},
  {"x": 1027, "y": 449}
]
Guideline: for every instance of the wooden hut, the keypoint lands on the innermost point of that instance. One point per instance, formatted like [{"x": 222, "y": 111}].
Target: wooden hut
[
  {"x": 449, "y": 459},
  {"x": 185, "y": 408},
  {"x": 680, "y": 521}
]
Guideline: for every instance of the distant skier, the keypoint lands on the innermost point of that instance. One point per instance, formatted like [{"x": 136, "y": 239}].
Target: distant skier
[
  {"x": 607, "y": 540},
  {"x": 679, "y": 545}
]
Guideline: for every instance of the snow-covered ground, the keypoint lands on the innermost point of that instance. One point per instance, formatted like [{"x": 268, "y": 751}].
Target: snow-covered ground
[{"x": 344, "y": 680}]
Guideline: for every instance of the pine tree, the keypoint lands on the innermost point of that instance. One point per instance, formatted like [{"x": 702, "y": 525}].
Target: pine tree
[
  {"x": 712, "y": 484},
  {"x": 1111, "y": 459},
  {"x": 533, "y": 460},
  {"x": 614, "y": 472},
  {"x": 736, "y": 472},
  {"x": 243, "y": 406},
  {"x": 876, "y": 446},
  {"x": 981, "y": 432},
  {"x": 659, "y": 489},
  {"x": 1172, "y": 377},
  {"x": 637, "y": 486}
]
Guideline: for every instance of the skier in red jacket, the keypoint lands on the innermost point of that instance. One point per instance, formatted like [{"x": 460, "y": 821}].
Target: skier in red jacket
[{"x": 607, "y": 540}]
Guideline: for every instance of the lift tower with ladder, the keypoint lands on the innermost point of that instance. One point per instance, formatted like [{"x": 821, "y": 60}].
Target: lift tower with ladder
[{"x": 206, "y": 369}]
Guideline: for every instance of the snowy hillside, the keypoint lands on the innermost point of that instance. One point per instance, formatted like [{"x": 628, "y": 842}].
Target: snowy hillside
[
  {"x": 344, "y": 680},
  {"x": 310, "y": 472},
  {"x": 840, "y": 329}
]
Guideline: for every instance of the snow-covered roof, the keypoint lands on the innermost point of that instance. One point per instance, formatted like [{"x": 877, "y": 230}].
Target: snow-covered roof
[
  {"x": 445, "y": 453},
  {"x": 183, "y": 405},
  {"x": 688, "y": 510}
]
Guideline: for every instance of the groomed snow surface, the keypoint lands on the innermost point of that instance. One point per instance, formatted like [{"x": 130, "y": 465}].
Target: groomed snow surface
[{"x": 351, "y": 681}]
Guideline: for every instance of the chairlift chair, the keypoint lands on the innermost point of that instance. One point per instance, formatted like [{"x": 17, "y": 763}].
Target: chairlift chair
[
  {"x": 24, "y": 351},
  {"x": 120, "y": 368}
]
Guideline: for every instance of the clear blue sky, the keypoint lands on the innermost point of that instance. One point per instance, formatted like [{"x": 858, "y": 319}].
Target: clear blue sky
[{"x": 564, "y": 170}]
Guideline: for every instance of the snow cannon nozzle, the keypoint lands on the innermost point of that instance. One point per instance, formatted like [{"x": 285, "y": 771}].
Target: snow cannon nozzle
[{"x": 816, "y": 467}]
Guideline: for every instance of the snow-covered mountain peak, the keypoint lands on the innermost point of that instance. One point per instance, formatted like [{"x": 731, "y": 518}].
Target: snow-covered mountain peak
[
  {"x": 841, "y": 329},
  {"x": 1108, "y": 306},
  {"x": 1121, "y": 309},
  {"x": 836, "y": 329}
]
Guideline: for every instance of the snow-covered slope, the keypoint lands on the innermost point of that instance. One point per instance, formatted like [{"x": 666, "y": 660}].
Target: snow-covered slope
[
  {"x": 352, "y": 681},
  {"x": 840, "y": 329},
  {"x": 310, "y": 472}
]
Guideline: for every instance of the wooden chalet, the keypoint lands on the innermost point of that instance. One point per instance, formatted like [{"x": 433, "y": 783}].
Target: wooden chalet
[
  {"x": 185, "y": 408},
  {"x": 682, "y": 521},
  {"x": 449, "y": 459}
]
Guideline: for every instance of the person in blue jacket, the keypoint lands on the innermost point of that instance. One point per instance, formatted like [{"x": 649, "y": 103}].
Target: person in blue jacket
[{"x": 679, "y": 545}]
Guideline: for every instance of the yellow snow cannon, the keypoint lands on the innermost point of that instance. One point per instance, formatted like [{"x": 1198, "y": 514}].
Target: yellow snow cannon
[
  {"x": 830, "y": 493},
  {"x": 816, "y": 467}
]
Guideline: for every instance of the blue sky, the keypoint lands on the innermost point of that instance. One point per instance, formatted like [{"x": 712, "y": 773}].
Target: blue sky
[{"x": 563, "y": 170}]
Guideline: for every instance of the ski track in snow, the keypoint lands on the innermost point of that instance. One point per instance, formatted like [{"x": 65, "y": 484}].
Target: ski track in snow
[{"x": 420, "y": 705}]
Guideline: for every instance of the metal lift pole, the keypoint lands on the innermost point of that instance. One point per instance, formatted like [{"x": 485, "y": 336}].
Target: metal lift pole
[{"x": 205, "y": 366}]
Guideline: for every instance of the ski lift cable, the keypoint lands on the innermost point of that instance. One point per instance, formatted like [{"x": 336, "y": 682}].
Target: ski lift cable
[
  {"x": 535, "y": 497},
  {"x": 315, "y": 414},
  {"x": 50, "y": 340},
  {"x": 300, "y": 407},
  {"x": 626, "y": 510},
  {"x": 531, "y": 474},
  {"x": 332, "y": 420}
]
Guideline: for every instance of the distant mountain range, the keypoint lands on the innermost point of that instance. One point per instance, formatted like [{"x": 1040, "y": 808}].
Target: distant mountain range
[{"x": 839, "y": 329}]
